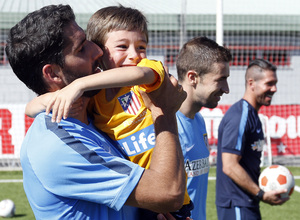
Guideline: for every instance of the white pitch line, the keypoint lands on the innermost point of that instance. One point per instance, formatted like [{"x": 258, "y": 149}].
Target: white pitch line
[
  {"x": 11, "y": 181},
  {"x": 297, "y": 189}
]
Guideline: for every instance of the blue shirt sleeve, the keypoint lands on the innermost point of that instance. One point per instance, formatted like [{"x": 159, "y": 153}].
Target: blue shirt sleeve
[{"x": 78, "y": 163}]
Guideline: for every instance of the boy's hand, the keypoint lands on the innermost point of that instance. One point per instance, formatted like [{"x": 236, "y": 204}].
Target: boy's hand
[{"x": 62, "y": 100}]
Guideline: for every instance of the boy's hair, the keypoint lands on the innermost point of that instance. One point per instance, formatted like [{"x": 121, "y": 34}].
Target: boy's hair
[
  {"x": 115, "y": 18},
  {"x": 36, "y": 40},
  {"x": 199, "y": 54}
]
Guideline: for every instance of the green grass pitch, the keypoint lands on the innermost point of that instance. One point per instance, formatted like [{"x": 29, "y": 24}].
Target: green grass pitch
[{"x": 290, "y": 210}]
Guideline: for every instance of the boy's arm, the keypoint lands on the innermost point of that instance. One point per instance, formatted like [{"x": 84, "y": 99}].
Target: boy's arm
[
  {"x": 145, "y": 73},
  {"x": 114, "y": 78},
  {"x": 159, "y": 70},
  {"x": 117, "y": 77},
  {"x": 37, "y": 105}
]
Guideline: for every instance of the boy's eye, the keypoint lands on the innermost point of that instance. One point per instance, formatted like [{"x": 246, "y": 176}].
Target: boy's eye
[
  {"x": 122, "y": 46},
  {"x": 142, "y": 48}
]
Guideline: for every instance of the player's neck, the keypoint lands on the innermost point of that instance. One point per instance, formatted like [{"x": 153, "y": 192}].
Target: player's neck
[
  {"x": 82, "y": 116},
  {"x": 252, "y": 102},
  {"x": 189, "y": 109}
]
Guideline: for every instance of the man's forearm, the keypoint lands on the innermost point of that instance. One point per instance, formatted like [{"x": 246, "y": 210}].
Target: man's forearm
[
  {"x": 161, "y": 188},
  {"x": 167, "y": 155},
  {"x": 236, "y": 172}
]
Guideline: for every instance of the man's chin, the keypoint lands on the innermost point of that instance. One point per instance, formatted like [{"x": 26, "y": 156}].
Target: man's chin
[
  {"x": 211, "y": 105},
  {"x": 91, "y": 93}
]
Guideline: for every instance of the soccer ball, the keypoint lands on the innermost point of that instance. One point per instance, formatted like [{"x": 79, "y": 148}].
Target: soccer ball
[
  {"x": 277, "y": 177},
  {"x": 7, "y": 208}
]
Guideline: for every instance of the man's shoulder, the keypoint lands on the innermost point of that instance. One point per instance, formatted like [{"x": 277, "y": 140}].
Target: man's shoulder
[
  {"x": 237, "y": 108},
  {"x": 39, "y": 120}
]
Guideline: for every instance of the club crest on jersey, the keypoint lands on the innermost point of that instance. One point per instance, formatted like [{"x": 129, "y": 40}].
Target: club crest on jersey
[
  {"x": 258, "y": 145},
  {"x": 130, "y": 103}
]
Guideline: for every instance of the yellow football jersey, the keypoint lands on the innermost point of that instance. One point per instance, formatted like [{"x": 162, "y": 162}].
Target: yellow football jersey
[{"x": 126, "y": 119}]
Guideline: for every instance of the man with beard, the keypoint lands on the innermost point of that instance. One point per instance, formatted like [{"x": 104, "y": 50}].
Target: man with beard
[
  {"x": 203, "y": 69},
  {"x": 240, "y": 143},
  {"x": 70, "y": 171}
]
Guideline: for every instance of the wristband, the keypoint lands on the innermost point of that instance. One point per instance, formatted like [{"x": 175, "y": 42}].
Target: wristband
[{"x": 259, "y": 195}]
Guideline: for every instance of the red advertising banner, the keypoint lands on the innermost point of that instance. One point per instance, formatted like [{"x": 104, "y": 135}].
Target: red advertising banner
[{"x": 281, "y": 122}]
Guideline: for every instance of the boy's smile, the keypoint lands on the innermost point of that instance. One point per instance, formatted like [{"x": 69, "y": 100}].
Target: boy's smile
[{"x": 123, "y": 48}]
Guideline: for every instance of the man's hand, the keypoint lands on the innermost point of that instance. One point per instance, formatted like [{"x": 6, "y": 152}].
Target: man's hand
[
  {"x": 167, "y": 99},
  {"x": 273, "y": 197},
  {"x": 161, "y": 189}
]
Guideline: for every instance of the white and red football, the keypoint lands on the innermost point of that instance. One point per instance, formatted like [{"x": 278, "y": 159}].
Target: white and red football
[{"x": 277, "y": 177}]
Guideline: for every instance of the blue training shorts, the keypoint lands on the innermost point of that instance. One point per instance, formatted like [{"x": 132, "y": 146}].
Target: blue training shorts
[{"x": 238, "y": 213}]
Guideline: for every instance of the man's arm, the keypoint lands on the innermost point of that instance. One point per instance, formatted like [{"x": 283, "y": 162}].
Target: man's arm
[
  {"x": 162, "y": 186},
  {"x": 236, "y": 172}
]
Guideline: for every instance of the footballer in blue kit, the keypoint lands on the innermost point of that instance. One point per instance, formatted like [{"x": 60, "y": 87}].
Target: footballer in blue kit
[
  {"x": 240, "y": 145},
  {"x": 203, "y": 69},
  {"x": 240, "y": 132},
  {"x": 98, "y": 191},
  {"x": 196, "y": 159}
]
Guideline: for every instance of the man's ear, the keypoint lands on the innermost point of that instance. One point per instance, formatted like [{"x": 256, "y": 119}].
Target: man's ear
[
  {"x": 192, "y": 77},
  {"x": 250, "y": 83},
  {"x": 52, "y": 75}
]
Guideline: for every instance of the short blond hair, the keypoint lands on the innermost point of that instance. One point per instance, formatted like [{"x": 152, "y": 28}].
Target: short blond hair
[{"x": 115, "y": 18}]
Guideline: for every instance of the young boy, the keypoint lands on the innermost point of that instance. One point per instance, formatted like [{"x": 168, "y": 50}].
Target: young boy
[{"x": 122, "y": 34}]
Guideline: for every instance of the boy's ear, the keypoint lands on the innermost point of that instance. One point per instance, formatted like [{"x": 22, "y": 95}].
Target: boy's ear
[{"x": 53, "y": 76}]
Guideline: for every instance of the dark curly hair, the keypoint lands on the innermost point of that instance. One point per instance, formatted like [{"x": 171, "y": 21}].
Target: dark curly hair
[{"x": 37, "y": 40}]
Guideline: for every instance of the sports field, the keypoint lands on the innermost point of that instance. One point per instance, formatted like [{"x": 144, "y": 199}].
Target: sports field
[{"x": 11, "y": 187}]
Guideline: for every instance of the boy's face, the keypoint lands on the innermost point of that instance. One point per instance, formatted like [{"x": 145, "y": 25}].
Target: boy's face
[{"x": 123, "y": 48}]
